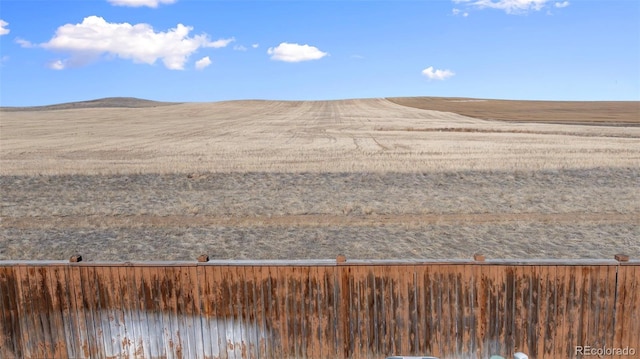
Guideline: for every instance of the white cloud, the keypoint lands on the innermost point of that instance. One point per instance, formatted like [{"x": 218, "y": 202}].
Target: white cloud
[
  {"x": 57, "y": 65},
  {"x": 24, "y": 43},
  {"x": 3, "y": 29},
  {"x": 140, "y": 3},
  {"x": 457, "y": 12},
  {"x": 295, "y": 53},
  {"x": 509, "y": 6},
  {"x": 203, "y": 62},
  {"x": 562, "y": 4},
  {"x": 95, "y": 37},
  {"x": 255, "y": 46},
  {"x": 220, "y": 43},
  {"x": 433, "y": 74},
  {"x": 239, "y": 48}
]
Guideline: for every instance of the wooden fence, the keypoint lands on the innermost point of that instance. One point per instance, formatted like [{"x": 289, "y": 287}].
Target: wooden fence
[{"x": 319, "y": 309}]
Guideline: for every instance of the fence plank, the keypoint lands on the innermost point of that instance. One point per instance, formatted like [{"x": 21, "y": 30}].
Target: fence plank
[
  {"x": 188, "y": 315},
  {"x": 266, "y": 319},
  {"x": 556, "y": 309},
  {"x": 225, "y": 312},
  {"x": 449, "y": 310},
  {"x": 461, "y": 309},
  {"x": 413, "y": 296},
  {"x": 472, "y": 310},
  {"x": 29, "y": 331},
  {"x": 142, "y": 297},
  {"x": 587, "y": 305},
  {"x": 314, "y": 343},
  {"x": 43, "y": 304},
  {"x": 603, "y": 312},
  {"x": 574, "y": 319},
  {"x": 129, "y": 330},
  {"x": 10, "y": 333},
  {"x": 59, "y": 302},
  {"x": 542, "y": 310},
  {"x": 110, "y": 311},
  {"x": 207, "y": 308},
  {"x": 627, "y": 324},
  {"x": 294, "y": 311},
  {"x": 633, "y": 285},
  {"x": 243, "y": 323},
  {"x": 332, "y": 280},
  {"x": 464, "y": 290},
  {"x": 88, "y": 305}
]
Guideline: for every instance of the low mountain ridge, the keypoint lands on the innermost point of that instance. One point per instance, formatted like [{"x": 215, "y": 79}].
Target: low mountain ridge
[{"x": 107, "y": 102}]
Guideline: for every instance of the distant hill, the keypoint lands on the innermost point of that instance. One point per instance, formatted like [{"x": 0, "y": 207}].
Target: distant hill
[
  {"x": 608, "y": 113},
  {"x": 108, "y": 102}
]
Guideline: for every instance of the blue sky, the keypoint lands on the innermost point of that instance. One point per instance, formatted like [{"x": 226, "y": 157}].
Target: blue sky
[{"x": 188, "y": 50}]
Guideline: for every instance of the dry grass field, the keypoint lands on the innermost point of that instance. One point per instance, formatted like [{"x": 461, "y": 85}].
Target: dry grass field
[
  {"x": 607, "y": 113},
  {"x": 123, "y": 179}
]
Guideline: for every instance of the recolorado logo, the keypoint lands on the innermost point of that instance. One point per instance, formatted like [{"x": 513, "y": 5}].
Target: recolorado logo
[{"x": 593, "y": 351}]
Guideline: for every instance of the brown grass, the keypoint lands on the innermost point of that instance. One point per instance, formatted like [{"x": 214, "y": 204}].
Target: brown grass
[
  {"x": 558, "y": 214},
  {"x": 323, "y": 136},
  {"x": 285, "y": 180},
  {"x": 566, "y": 112}
]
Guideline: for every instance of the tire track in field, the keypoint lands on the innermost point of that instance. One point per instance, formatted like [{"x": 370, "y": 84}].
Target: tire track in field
[{"x": 312, "y": 220}]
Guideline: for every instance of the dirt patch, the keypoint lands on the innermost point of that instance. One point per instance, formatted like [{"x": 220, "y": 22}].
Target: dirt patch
[
  {"x": 541, "y": 214},
  {"x": 508, "y": 240},
  {"x": 480, "y": 130},
  {"x": 407, "y": 220}
]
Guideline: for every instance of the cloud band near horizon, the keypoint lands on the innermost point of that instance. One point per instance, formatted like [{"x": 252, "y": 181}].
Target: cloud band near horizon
[
  {"x": 510, "y": 6},
  {"x": 140, "y": 3}
]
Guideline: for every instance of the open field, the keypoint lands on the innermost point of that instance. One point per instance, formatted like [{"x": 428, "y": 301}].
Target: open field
[
  {"x": 284, "y": 180},
  {"x": 623, "y": 113},
  {"x": 275, "y": 136},
  {"x": 556, "y": 214}
]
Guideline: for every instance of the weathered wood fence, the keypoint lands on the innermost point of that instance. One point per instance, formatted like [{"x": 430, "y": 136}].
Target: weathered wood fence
[{"x": 318, "y": 309}]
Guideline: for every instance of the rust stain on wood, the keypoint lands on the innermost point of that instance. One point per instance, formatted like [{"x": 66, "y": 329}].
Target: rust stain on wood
[{"x": 333, "y": 311}]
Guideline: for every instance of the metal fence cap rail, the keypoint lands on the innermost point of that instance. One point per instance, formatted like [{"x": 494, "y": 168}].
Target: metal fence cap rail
[{"x": 323, "y": 262}]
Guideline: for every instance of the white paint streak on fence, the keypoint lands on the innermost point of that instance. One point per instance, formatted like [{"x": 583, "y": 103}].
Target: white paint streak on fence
[{"x": 132, "y": 335}]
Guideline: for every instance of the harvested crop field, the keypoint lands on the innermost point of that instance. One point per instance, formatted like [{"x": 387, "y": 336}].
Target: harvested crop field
[
  {"x": 607, "y": 113},
  {"x": 297, "y": 180}
]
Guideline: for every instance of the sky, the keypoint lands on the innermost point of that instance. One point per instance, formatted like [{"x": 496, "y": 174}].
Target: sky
[{"x": 54, "y": 51}]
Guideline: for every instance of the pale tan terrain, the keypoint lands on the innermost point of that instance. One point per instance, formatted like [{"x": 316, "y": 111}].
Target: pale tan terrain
[
  {"x": 333, "y": 136},
  {"x": 293, "y": 180}
]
